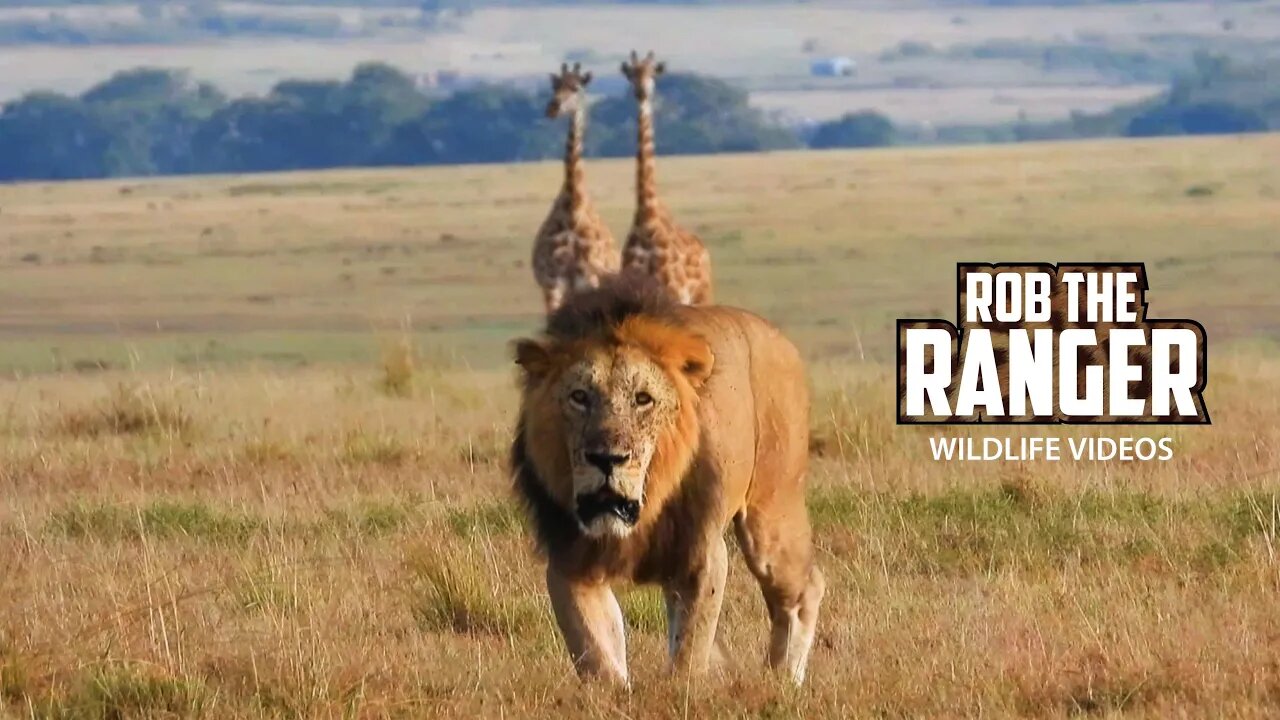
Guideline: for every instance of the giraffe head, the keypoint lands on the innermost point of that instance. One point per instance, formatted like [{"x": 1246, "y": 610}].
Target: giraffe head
[
  {"x": 641, "y": 72},
  {"x": 566, "y": 90}
]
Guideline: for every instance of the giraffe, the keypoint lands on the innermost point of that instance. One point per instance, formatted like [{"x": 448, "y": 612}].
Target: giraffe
[
  {"x": 656, "y": 246},
  {"x": 574, "y": 248}
]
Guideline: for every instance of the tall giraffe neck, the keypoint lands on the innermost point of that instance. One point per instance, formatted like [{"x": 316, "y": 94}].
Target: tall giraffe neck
[
  {"x": 574, "y": 182},
  {"x": 646, "y": 173}
]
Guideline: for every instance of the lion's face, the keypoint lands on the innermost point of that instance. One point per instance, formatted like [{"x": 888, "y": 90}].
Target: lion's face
[
  {"x": 615, "y": 407},
  {"x": 613, "y": 425}
]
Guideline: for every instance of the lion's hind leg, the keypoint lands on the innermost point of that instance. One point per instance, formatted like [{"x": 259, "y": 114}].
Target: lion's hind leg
[
  {"x": 591, "y": 622},
  {"x": 781, "y": 558}
]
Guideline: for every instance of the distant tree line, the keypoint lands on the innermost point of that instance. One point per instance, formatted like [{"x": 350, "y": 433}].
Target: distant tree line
[
  {"x": 1213, "y": 97},
  {"x": 161, "y": 122},
  {"x": 1095, "y": 55}
]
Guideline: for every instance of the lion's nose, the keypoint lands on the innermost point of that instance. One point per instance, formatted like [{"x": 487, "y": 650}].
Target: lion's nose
[{"x": 606, "y": 462}]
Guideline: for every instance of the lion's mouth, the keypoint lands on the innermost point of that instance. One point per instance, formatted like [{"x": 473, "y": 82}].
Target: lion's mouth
[{"x": 605, "y": 503}]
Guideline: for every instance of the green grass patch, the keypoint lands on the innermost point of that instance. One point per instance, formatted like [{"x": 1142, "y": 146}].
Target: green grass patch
[
  {"x": 260, "y": 593},
  {"x": 115, "y": 693},
  {"x": 645, "y": 610},
  {"x": 160, "y": 519},
  {"x": 372, "y": 519},
  {"x": 498, "y": 518},
  {"x": 173, "y": 519},
  {"x": 968, "y": 531}
]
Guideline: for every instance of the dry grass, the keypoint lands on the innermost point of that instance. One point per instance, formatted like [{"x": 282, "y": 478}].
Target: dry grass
[
  {"x": 245, "y": 526},
  {"x": 398, "y": 366},
  {"x": 373, "y": 564},
  {"x": 128, "y": 410}
]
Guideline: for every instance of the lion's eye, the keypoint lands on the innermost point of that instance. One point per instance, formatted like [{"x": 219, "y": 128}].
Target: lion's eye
[
  {"x": 579, "y": 398},
  {"x": 643, "y": 399}
]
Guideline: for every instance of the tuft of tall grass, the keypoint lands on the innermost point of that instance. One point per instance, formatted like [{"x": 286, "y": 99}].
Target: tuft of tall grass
[
  {"x": 364, "y": 448},
  {"x": 452, "y": 594},
  {"x": 398, "y": 366},
  {"x": 259, "y": 592},
  {"x": 268, "y": 451},
  {"x": 15, "y": 679},
  {"x": 115, "y": 693},
  {"x": 853, "y": 421},
  {"x": 129, "y": 410}
]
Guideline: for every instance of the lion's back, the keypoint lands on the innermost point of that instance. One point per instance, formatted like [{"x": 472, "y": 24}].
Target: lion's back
[{"x": 755, "y": 407}]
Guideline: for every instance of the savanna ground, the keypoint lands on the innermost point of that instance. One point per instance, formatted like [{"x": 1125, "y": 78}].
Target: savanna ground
[{"x": 252, "y": 439}]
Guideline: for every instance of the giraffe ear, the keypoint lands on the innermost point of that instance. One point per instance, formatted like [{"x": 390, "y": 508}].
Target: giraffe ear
[
  {"x": 555, "y": 80},
  {"x": 586, "y": 79},
  {"x": 659, "y": 68},
  {"x": 626, "y": 70}
]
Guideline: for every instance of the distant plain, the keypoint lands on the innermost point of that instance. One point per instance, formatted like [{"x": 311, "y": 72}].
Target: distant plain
[{"x": 316, "y": 267}]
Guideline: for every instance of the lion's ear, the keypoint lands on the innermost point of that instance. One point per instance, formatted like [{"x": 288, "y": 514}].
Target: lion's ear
[
  {"x": 698, "y": 362},
  {"x": 534, "y": 356}
]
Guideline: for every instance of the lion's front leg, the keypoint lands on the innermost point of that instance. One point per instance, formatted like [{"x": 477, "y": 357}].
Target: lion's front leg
[
  {"x": 591, "y": 622},
  {"x": 693, "y": 609}
]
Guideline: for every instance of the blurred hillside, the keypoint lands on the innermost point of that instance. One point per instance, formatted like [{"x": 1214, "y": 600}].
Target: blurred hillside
[
  {"x": 161, "y": 122},
  {"x": 1216, "y": 96},
  {"x": 922, "y": 63}
]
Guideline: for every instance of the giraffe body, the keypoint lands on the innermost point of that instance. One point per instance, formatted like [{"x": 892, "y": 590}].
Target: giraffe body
[
  {"x": 574, "y": 248},
  {"x": 657, "y": 246}
]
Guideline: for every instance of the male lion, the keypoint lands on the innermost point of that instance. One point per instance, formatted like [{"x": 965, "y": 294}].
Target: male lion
[{"x": 645, "y": 427}]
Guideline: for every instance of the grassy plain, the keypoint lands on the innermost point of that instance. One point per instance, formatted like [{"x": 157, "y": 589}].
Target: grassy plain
[
  {"x": 299, "y": 268},
  {"x": 263, "y": 507}
]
